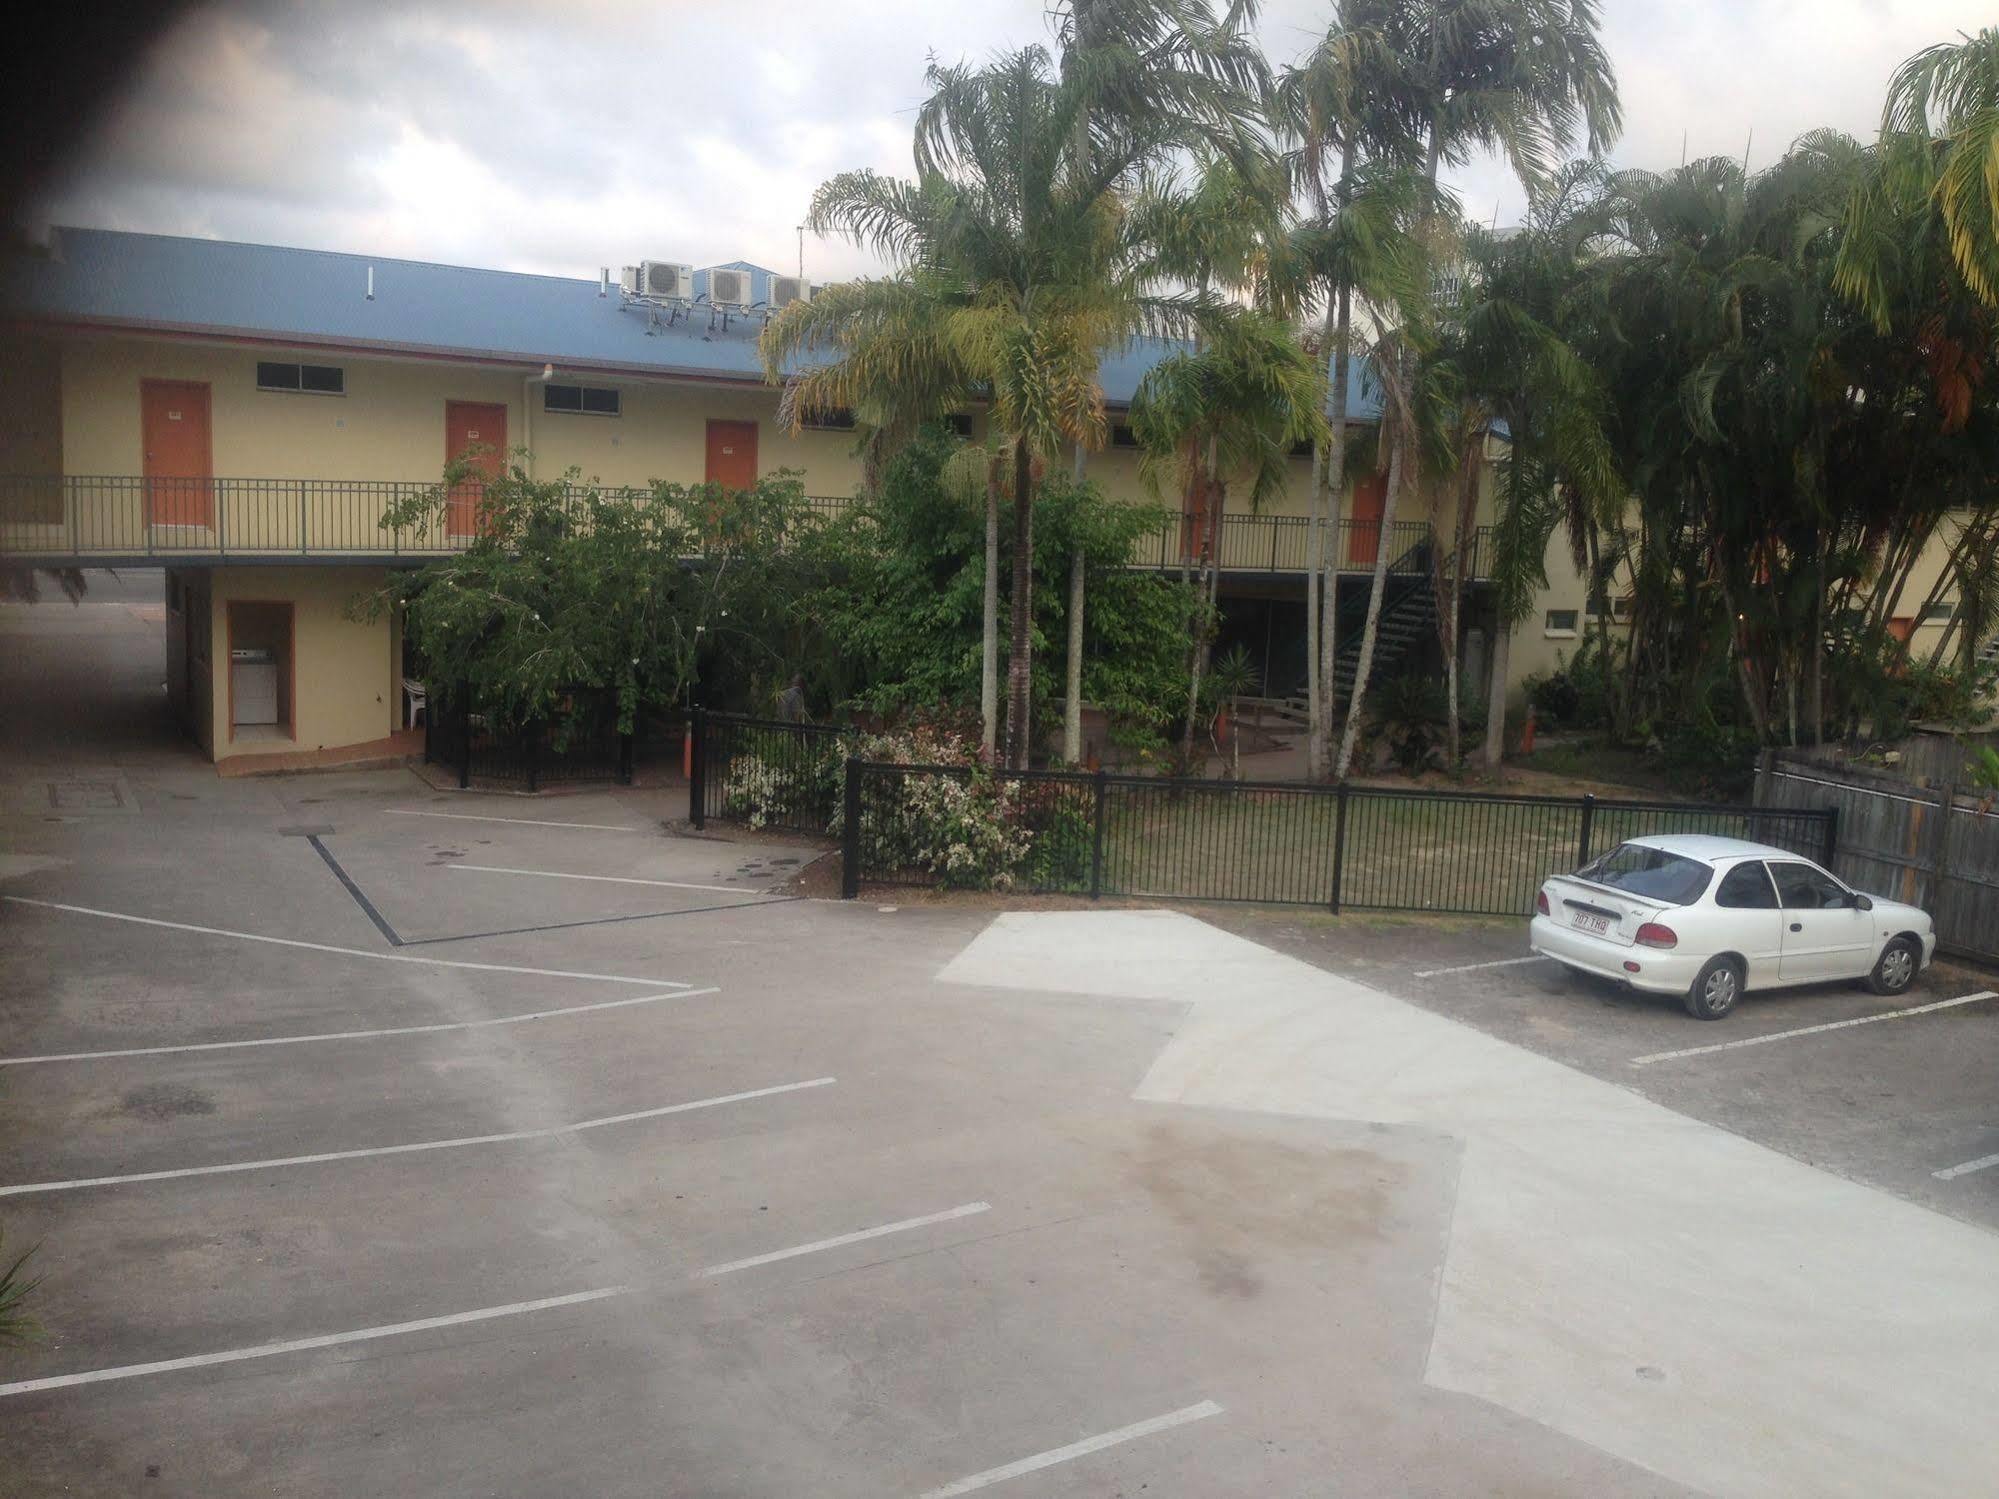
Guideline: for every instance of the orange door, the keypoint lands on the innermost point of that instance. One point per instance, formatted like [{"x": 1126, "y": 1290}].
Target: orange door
[
  {"x": 173, "y": 424},
  {"x": 476, "y": 432},
  {"x": 732, "y": 454},
  {"x": 1370, "y": 492}
]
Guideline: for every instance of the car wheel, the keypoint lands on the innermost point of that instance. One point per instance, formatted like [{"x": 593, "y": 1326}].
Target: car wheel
[
  {"x": 1895, "y": 970},
  {"x": 1715, "y": 990}
]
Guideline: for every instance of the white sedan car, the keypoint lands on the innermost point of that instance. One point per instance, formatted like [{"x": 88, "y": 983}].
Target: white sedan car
[{"x": 1711, "y": 918}]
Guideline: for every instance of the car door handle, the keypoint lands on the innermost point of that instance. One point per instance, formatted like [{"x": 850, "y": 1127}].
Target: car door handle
[{"x": 1797, "y": 926}]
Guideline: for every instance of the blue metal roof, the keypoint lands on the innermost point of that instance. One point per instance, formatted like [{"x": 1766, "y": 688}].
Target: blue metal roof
[{"x": 221, "y": 287}]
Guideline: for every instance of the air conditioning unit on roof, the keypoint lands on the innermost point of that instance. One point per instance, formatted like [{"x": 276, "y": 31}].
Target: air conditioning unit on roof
[
  {"x": 785, "y": 290},
  {"x": 662, "y": 278},
  {"x": 729, "y": 288}
]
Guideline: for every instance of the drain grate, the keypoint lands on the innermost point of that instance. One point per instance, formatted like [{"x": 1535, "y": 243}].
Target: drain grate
[{"x": 86, "y": 796}]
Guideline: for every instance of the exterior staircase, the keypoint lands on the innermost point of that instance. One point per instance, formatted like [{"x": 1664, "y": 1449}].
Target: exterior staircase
[{"x": 1407, "y": 620}]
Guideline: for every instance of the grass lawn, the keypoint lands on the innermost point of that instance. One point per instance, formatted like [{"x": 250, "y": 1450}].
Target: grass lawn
[{"x": 1594, "y": 760}]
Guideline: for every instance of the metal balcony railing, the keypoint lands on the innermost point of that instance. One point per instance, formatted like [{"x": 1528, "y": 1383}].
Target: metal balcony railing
[{"x": 107, "y": 519}]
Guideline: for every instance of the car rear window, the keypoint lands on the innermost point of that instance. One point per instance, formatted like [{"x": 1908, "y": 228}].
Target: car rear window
[{"x": 1650, "y": 872}]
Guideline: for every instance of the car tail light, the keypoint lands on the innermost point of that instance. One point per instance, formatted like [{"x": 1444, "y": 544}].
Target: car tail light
[
  {"x": 1651, "y": 934},
  {"x": 1541, "y": 901}
]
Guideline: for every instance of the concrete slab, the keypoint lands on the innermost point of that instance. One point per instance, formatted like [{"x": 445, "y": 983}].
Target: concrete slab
[{"x": 1656, "y": 1287}]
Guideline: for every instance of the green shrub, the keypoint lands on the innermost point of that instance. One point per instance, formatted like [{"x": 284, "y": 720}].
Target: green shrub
[
  {"x": 1577, "y": 694},
  {"x": 1713, "y": 760},
  {"x": 1411, "y": 716},
  {"x": 1064, "y": 840}
]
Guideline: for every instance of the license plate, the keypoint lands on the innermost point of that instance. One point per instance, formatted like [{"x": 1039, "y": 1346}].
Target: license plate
[{"x": 1587, "y": 922}]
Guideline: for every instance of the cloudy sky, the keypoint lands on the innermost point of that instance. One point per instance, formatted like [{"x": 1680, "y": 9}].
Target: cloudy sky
[{"x": 561, "y": 137}]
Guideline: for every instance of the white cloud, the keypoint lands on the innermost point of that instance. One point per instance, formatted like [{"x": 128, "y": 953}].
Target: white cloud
[{"x": 561, "y": 138}]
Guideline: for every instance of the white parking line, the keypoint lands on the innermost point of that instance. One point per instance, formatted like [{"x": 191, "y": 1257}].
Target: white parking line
[
  {"x": 302, "y": 1345},
  {"x": 963, "y": 1210},
  {"x": 1432, "y": 973},
  {"x": 396, "y": 1030},
  {"x": 1812, "y": 1030},
  {"x": 421, "y": 1145},
  {"x": 609, "y": 879},
  {"x": 1950, "y": 1173},
  {"x": 346, "y": 952},
  {"x": 526, "y": 822},
  {"x": 1076, "y": 1449}
]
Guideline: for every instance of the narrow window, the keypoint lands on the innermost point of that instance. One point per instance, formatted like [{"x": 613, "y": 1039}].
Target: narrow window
[
  {"x": 1560, "y": 622},
  {"x": 587, "y": 400},
  {"x": 308, "y": 379}
]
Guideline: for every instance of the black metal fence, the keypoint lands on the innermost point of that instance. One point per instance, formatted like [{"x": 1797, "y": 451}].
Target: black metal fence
[
  {"x": 1272, "y": 842},
  {"x": 478, "y": 745},
  {"x": 128, "y": 517},
  {"x": 764, "y": 772}
]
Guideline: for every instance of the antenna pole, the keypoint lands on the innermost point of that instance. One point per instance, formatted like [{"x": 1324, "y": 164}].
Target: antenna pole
[
  {"x": 1745, "y": 150},
  {"x": 801, "y": 252}
]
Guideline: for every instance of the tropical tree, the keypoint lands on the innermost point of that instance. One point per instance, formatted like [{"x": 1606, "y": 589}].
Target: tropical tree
[
  {"x": 1792, "y": 457},
  {"x": 1401, "y": 435},
  {"x": 1025, "y": 249},
  {"x": 1227, "y": 412},
  {"x": 570, "y": 586},
  {"x": 1355, "y": 245},
  {"x": 1511, "y": 378},
  {"x": 1526, "y": 78},
  {"x": 898, "y": 584},
  {"x": 1938, "y": 161}
]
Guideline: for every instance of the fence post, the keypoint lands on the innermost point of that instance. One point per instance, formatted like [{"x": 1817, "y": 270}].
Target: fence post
[
  {"x": 1100, "y": 783},
  {"x": 850, "y": 832},
  {"x": 1831, "y": 834},
  {"x": 304, "y": 545},
  {"x": 531, "y": 750},
  {"x": 1939, "y": 870},
  {"x": 464, "y": 735},
  {"x": 697, "y": 769},
  {"x": 1589, "y": 819},
  {"x": 1339, "y": 843}
]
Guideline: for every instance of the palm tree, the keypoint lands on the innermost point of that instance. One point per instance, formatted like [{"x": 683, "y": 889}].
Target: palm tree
[
  {"x": 1939, "y": 140},
  {"x": 1523, "y": 77},
  {"x": 1027, "y": 247},
  {"x": 1400, "y": 434},
  {"x": 1345, "y": 102},
  {"x": 1227, "y": 412},
  {"x": 1510, "y": 373}
]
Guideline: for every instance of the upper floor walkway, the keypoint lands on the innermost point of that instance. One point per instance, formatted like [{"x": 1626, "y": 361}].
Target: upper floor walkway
[{"x": 124, "y": 520}]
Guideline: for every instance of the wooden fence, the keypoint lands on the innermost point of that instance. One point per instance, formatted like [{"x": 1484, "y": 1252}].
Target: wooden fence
[{"x": 1932, "y": 846}]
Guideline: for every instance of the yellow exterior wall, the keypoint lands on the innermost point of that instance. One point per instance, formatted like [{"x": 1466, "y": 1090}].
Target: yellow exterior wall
[
  {"x": 390, "y": 426},
  {"x": 390, "y": 423},
  {"x": 346, "y": 689}
]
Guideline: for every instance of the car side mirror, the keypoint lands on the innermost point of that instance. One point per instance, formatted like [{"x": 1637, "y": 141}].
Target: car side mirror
[{"x": 1862, "y": 903}]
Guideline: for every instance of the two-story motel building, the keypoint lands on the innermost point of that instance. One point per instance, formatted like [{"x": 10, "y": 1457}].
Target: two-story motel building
[{"x": 239, "y": 415}]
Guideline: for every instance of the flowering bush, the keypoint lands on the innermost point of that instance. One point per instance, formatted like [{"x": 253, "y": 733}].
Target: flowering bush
[
  {"x": 938, "y": 810},
  {"x": 799, "y": 789}
]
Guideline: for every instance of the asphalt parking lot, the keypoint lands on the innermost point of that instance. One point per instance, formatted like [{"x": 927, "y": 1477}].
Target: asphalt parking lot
[
  {"x": 376, "y": 1147},
  {"x": 1888, "y": 1092},
  {"x": 378, "y": 1141}
]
